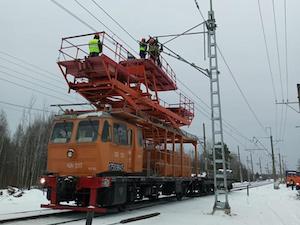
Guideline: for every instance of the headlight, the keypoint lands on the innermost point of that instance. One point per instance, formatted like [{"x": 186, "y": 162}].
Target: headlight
[
  {"x": 105, "y": 182},
  {"x": 42, "y": 181},
  {"x": 70, "y": 153}
]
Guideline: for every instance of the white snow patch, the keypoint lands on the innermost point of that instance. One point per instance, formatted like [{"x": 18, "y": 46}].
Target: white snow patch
[
  {"x": 264, "y": 206},
  {"x": 31, "y": 200}
]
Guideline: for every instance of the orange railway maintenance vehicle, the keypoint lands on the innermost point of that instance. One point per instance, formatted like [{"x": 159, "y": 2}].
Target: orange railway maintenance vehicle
[
  {"x": 292, "y": 178},
  {"x": 131, "y": 146}
]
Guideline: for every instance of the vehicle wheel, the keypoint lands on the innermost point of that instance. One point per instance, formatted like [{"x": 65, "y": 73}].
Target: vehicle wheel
[
  {"x": 122, "y": 208},
  {"x": 179, "y": 196}
]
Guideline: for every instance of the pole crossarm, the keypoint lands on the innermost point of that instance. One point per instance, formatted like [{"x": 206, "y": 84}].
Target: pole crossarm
[
  {"x": 287, "y": 103},
  {"x": 176, "y": 56},
  {"x": 177, "y": 35}
]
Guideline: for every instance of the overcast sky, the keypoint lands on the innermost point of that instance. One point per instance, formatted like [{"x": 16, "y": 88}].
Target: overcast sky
[{"x": 32, "y": 30}]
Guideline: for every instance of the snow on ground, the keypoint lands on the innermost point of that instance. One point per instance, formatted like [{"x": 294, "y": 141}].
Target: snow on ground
[
  {"x": 264, "y": 206},
  {"x": 31, "y": 200}
]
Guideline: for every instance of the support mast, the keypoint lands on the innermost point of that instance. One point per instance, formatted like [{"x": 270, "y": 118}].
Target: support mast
[{"x": 216, "y": 119}]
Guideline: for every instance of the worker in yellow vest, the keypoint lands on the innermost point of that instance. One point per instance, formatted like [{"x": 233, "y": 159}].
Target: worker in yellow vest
[
  {"x": 95, "y": 46},
  {"x": 143, "y": 48},
  {"x": 152, "y": 49}
]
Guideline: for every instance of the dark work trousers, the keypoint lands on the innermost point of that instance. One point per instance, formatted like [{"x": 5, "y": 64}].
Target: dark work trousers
[
  {"x": 93, "y": 54},
  {"x": 142, "y": 54}
]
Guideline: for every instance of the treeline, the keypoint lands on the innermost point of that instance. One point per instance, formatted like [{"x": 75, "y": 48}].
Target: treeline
[
  {"x": 232, "y": 163},
  {"x": 23, "y": 154}
]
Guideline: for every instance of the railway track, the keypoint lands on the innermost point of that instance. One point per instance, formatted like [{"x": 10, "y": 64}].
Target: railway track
[{"x": 66, "y": 217}]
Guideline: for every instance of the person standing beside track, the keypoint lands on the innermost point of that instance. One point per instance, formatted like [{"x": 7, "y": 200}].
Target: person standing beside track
[{"x": 95, "y": 46}]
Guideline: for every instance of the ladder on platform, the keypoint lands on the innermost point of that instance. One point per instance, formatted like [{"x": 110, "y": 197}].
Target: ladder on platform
[{"x": 219, "y": 163}]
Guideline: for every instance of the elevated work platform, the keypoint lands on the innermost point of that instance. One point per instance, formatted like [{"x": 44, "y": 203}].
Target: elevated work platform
[
  {"x": 130, "y": 85},
  {"x": 156, "y": 78}
]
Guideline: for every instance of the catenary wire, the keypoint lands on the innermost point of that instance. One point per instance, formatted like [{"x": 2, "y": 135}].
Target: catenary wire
[
  {"x": 234, "y": 79},
  {"x": 241, "y": 92},
  {"x": 247, "y": 139},
  {"x": 30, "y": 82},
  {"x": 72, "y": 14},
  {"x": 277, "y": 48},
  {"x": 174, "y": 52},
  {"x": 96, "y": 18},
  {"x": 49, "y": 85},
  {"x": 55, "y": 78},
  {"x": 269, "y": 64},
  {"x": 286, "y": 69},
  {"x": 27, "y": 75},
  {"x": 25, "y": 107},
  {"x": 267, "y": 50},
  {"x": 279, "y": 66},
  {"x": 35, "y": 90},
  {"x": 103, "y": 10},
  {"x": 29, "y": 69},
  {"x": 183, "y": 33}
]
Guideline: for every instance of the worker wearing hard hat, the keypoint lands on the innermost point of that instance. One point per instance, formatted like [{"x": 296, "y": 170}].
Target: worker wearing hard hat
[
  {"x": 152, "y": 48},
  {"x": 143, "y": 48},
  {"x": 95, "y": 46}
]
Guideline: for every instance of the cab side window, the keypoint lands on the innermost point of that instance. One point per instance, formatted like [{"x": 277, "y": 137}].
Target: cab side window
[
  {"x": 106, "y": 132},
  {"x": 129, "y": 136},
  {"x": 120, "y": 134},
  {"x": 62, "y": 132},
  {"x": 87, "y": 131},
  {"x": 140, "y": 137}
]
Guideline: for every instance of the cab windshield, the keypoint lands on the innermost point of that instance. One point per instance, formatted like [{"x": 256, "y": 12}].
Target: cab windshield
[
  {"x": 87, "y": 131},
  {"x": 62, "y": 132}
]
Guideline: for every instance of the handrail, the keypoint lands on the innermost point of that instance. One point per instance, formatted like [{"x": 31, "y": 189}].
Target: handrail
[
  {"x": 76, "y": 48},
  {"x": 184, "y": 103}
]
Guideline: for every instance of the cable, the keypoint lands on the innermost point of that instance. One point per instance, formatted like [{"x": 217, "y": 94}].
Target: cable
[
  {"x": 34, "y": 71},
  {"x": 241, "y": 92},
  {"x": 27, "y": 68},
  {"x": 279, "y": 66},
  {"x": 286, "y": 68},
  {"x": 267, "y": 51},
  {"x": 25, "y": 107},
  {"x": 26, "y": 75},
  {"x": 235, "y": 81},
  {"x": 91, "y": 14},
  {"x": 72, "y": 14},
  {"x": 23, "y": 86},
  {"x": 200, "y": 69},
  {"x": 277, "y": 47},
  {"x": 270, "y": 68},
  {"x": 115, "y": 21},
  {"x": 177, "y": 56},
  {"x": 30, "y": 82},
  {"x": 227, "y": 124},
  {"x": 286, "y": 51},
  {"x": 201, "y": 14},
  {"x": 183, "y": 33}
]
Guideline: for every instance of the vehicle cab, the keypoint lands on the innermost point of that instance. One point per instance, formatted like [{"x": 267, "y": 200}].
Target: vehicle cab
[{"x": 93, "y": 143}]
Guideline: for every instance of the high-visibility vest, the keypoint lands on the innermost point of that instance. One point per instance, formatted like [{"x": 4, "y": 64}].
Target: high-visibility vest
[
  {"x": 152, "y": 48},
  {"x": 143, "y": 47},
  {"x": 93, "y": 46}
]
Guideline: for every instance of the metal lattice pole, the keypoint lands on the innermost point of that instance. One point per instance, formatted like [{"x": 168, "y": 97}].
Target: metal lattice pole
[{"x": 216, "y": 118}]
